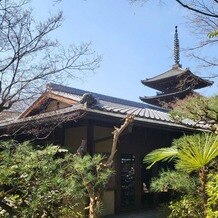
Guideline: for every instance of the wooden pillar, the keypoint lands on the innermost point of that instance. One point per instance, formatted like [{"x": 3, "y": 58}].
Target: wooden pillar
[
  {"x": 117, "y": 188},
  {"x": 62, "y": 135},
  {"x": 90, "y": 137}
]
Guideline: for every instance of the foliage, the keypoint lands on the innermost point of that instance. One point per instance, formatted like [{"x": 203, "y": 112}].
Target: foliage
[
  {"x": 92, "y": 177},
  {"x": 86, "y": 170},
  {"x": 188, "y": 206},
  {"x": 200, "y": 109},
  {"x": 190, "y": 153},
  {"x": 194, "y": 153},
  {"x": 51, "y": 182},
  {"x": 37, "y": 182},
  {"x": 212, "y": 190},
  {"x": 161, "y": 154},
  {"x": 174, "y": 180},
  {"x": 197, "y": 108},
  {"x": 185, "y": 201},
  {"x": 213, "y": 34}
]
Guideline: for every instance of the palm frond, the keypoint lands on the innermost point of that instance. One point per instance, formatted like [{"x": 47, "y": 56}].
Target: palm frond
[
  {"x": 198, "y": 152},
  {"x": 161, "y": 154}
]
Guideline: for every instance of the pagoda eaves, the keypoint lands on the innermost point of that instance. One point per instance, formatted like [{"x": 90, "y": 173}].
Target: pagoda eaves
[
  {"x": 159, "y": 99},
  {"x": 176, "y": 79}
]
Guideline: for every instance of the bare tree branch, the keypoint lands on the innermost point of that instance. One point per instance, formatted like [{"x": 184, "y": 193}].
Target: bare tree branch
[
  {"x": 202, "y": 19},
  {"x": 116, "y": 134},
  {"x": 209, "y": 14},
  {"x": 29, "y": 58}
]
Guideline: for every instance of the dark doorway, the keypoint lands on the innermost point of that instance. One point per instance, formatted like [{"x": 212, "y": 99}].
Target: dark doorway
[
  {"x": 127, "y": 181},
  {"x": 134, "y": 184}
]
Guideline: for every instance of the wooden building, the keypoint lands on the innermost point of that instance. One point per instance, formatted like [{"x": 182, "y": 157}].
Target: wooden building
[
  {"x": 174, "y": 84},
  {"x": 92, "y": 116}
]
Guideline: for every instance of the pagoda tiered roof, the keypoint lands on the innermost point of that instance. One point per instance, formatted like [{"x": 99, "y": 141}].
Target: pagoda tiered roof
[
  {"x": 159, "y": 99},
  {"x": 176, "y": 79},
  {"x": 174, "y": 84}
]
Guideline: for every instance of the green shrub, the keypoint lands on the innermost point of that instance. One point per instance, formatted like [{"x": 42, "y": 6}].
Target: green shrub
[
  {"x": 174, "y": 180},
  {"x": 37, "y": 182},
  {"x": 49, "y": 181},
  {"x": 212, "y": 193},
  {"x": 188, "y": 206},
  {"x": 185, "y": 202}
]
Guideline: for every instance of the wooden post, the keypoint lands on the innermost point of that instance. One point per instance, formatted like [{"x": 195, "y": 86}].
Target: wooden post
[{"x": 90, "y": 137}]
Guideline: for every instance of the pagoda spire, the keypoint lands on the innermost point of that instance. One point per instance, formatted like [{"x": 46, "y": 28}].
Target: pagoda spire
[{"x": 176, "y": 50}]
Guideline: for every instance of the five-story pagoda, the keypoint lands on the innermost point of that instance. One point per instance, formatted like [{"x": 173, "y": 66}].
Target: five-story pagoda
[{"x": 176, "y": 83}]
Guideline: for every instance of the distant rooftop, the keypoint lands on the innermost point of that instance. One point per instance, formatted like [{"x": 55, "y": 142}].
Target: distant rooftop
[
  {"x": 170, "y": 73},
  {"x": 176, "y": 72}
]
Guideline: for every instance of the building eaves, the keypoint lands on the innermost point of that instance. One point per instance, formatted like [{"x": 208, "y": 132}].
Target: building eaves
[
  {"x": 170, "y": 73},
  {"x": 106, "y": 106},
  {"x": 47, "y": 115},
  {"x": 175, "y": 72},
  {"x": 186, "y": 125},
  {"x": 145, "y": 115},
  {"x": 161, "y": 96}
]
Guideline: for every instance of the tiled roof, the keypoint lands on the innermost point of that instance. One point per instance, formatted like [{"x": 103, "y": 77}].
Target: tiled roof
[
  {"x": 77, "y": 93},
  {"x": 170, "y": 73},
  {"x": 174, "y": 72},
  {"x": 163, "y": 95},
  {"x": 113, "y": 106},
  {"x": 136, "y": 111},
  {"x": 107, "y": 106}
]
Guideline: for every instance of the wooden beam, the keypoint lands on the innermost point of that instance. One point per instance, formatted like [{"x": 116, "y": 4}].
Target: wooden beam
[
  {"x": 61, "y": 98},
  {"x": 36, "y": 104},
  {"x": 44, "y": 97}
]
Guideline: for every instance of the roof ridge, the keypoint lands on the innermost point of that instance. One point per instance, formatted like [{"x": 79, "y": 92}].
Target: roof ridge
[{"x": 75, "y": 91}]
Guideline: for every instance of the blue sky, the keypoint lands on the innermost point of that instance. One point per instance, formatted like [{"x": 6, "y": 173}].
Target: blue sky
[{"x": 136, "y": 42}]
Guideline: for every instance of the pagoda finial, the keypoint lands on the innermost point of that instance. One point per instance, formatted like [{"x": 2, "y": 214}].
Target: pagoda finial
[{"x": 176, "y": 49}]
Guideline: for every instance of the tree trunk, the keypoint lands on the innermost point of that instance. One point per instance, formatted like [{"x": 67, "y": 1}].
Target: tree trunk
[
  {"x": 96, "y": 196},
  {"x": 92, "y": 208},
  {"x": 202, "y": 177}
]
